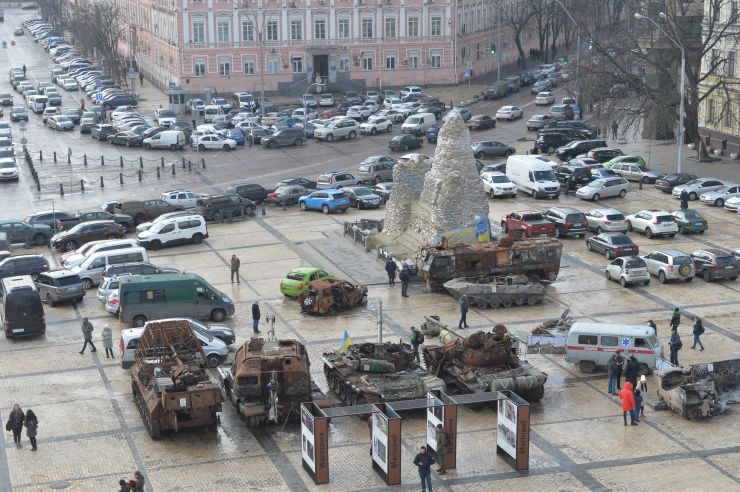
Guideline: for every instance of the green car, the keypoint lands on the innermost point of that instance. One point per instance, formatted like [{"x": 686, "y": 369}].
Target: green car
[
  {"x": 296, "y": 281},
  {"x": 627, "y": 159},
  {"x": 690, "y": 221}
]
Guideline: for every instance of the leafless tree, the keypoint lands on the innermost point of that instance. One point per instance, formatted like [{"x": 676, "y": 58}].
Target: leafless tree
[{"x": 517, "y": 15}]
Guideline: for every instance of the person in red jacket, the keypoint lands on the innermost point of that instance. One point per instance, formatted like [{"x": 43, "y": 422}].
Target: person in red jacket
[{"x": 628, "y": 403}]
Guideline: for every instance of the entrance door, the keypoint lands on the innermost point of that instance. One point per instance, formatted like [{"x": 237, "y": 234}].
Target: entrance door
[{"x": 321, "y": 65}]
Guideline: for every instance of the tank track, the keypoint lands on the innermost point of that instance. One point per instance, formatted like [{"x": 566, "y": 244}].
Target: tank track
[
  {"x": 504, "y": 300},
  {"x": 153, "y": 426}
]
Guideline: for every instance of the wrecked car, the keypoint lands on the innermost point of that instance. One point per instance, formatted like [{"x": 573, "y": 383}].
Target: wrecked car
[{"x": 331, "y": 296}]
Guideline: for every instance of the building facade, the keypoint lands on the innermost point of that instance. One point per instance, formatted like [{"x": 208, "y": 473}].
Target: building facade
[{"x": 239, "y": 45}]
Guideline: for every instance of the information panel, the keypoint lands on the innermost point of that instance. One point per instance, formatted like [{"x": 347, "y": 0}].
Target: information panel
[
  {"x": 315, "y": 443},
  {"x": 512, "y": 436},
  {"x": 435, "y": 416},
  {"x": 506, "y": 429},
  {"x": 380, "y": 441}
]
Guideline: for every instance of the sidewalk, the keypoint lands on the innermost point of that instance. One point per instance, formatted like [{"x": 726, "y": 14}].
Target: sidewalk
[{"x": 150, "y": 97}]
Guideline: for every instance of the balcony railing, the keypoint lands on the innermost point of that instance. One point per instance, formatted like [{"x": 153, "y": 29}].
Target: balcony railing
[{"x": 328, "y": 42}]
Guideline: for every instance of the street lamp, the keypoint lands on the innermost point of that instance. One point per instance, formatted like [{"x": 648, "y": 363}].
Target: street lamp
[
  {"x": 662, "y": 15},
  {"x": 578, "y": 52}
]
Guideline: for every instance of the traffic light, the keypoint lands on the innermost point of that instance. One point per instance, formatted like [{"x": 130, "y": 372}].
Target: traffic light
[{"x": 493, "y": 48}]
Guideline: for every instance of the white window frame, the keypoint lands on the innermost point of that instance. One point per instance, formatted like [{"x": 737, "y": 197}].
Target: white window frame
[
  {"x": 391, "y": 60},
  {"x": 391, "y": 22},
  {"x": 273, "y": 66},
  {"x": 249, "y": 66},
  {"x": 435, "y": 59},
  {"x": 247, "y": 30},
  {"x": 344, "y": 64},
  {"x": 344, "y": 28},
  {"x": 296, "y": 29},
  {"x": 435, "y": 25},
  {"x": 320, "y": 33},
  {"x": 223, "y": 30},
  {"x": 412, "y": 60},
  {"x": 368, "y": 62},
  {"x": 273, "y": 30},
  {"x": 370, "y": 31},
  {"x": 296, "y": 64},
  {"x": 201, "y": 23},
  {"x": 224, "y": 66},
  {"x": 414, "y": 21},
  {"x": 200, "y": 62}
]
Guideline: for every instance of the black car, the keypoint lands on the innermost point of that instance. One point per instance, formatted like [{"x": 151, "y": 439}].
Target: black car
[
  {"x": 257, "y": 134},
  {"x": 670, "y": 181},
  {"x": 548, "y": 142},
  {"x": 432, "y": 134},
  {"x": 18, "y": 113},
  {"x": 224, "y": 207},
  {"x": 714, "y": 263},
  {"x": 118, "y": 100},
  {"x": 73, "y": 114},
  {"x": 578, "y": 147},
  {"x": 17, "y": 231},
  {"x": 568, "y": 221},
  {"x": 129, "y": 139},
  {"x": 604, "y": 155},
  {"x": 47, "y": 217},
  {"x": 573, "y": 176},
  {"x": 405, "y": 142},
  {"x": 32, "y": 265},
  {"x": 6, "y": 99},
  {"x": 102, "y": 132},
  {"x": 590, "y": 131},
  {"x": 573, "y": 133},
  {"x": 252, "y": 191},
  {"x": 153, "y": 131},
  {"x": 306, "y": 183},
  {"x": 612, "y": 245}
]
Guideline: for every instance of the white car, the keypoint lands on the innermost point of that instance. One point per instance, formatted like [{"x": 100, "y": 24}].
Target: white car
[
  {"x": 698, "y": 186},
  {"x": 326, "y": 100},
  {"x": 544, "y": 98},
  {"x": 376, "y": 124},
  {"x": 733, "y": 204},
  {"x": 122, "y": 110},
  {"x": 164, "y": 117},
  {"x": 111, "y": 303},
  {"x": 70, "y": 85},
  {"x": 425, "y": 158},
  {"x": 628, "y": 270},
  {"x": 719, "y": 196},
  {"x": 371, "y": 105},
  {"x": 358, "y": 112},
  {"x": 203, "y": 142},
  {"x": 412, "y": 89},
  {"x": 183, "y": 198},
  {"x": 302, "y": 114},
  {"x": 221, "y": 103},
  {"x": 8, "y": 170},
  {"x": 392, "y": 103},
  {"x": 509, "y": 113},
  {"x": 5, "y": 131},
  {"x": 653, "y": 223},
  {"x": 497, "y": 184}
]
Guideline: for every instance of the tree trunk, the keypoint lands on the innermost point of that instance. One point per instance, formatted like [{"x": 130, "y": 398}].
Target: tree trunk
[{"x": 520, "y": 49}]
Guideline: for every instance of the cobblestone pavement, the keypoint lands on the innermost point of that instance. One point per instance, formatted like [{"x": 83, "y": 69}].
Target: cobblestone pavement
[{"x": 91, "y": 435}]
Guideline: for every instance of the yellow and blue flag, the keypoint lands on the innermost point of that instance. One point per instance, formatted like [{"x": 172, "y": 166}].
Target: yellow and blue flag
[{"x": 346, "y": 342}]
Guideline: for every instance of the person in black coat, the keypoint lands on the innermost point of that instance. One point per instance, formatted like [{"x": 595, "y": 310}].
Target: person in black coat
[
  {"x": 15, "y": 423},
  {"x": 405, "y": 278},
  {"x": 256, "y": 316},
  {"x": 684, "y": 197},
  {"x": 32, "y": 425},
  {"x": 424, "y": 462},
  {"x": 390, "y": 268},
  {"x": 631, "y": 371},
  {"x": 620, "y": 366}
]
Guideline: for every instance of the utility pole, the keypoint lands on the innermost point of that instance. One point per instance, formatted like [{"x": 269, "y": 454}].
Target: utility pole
[{"x": 498, "y": 43}]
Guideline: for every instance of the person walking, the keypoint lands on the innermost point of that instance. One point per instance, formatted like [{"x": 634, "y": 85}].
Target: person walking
[
  {"x": 463, "y": 313},
  {"x": 612, "y": 371},
  {"x": 139, "y": 487},
  {"x": 87, "y": 329},
  {"x": 24, "y": 70},
  {"x": 652, "y": 325},
  {"x": 676, "y": 319},
  {"x": 628, "y": 403},
  {"x": 417, "y": 339},
  {"x": 108, "y": 341},
  {"x": 675, "y": 345},
  {"x": 684, "y": 197},
  {"x": 123, "y": 486},
  {"x": 424, "y": 462},
  {"x": 620, "y": 365},
  {"x": 235, "y": 264},
  {"x": 698, "y": 331},
  {"x": 141, "y": 79},
  {"x": 631, "y": 371},
  {"x": 440, "y": 440},
  {"x": 390, "y": 269},
  {"x": 638, "y": 404},
  {"x": 15, "y": 424},
  {"x": 32, "y": 425},
  {"x": 405, "y": 278},
  {"x": 642, "y": 386},
  {"x": 256, "y": 316},
  {"x": 615, "y": 130}
]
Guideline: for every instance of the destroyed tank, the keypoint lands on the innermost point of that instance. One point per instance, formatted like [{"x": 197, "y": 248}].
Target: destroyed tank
[
  {"x": 494, "y": 292},
  {"x": 538, "y": 258},
  {"x": 484, "y": 362},
  {"x": 171, "y": 387},
  {"x": 331, "y": 296},
  {"x": 375, "y": 372},
  {"x": 268, "y": 381}
]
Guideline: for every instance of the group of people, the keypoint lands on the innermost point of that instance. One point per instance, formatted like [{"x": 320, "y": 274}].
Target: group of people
[
  {"x": 134, "y": 485},
  {"x": 17, "y": 419},
  {"x": 404, "y": 276},
  {"x": 634, "y": 392},
  {"x": 87, "y": 330}
]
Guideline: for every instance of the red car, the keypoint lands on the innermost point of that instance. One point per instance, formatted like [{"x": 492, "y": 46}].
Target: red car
[{"x": 530, "y": 222}]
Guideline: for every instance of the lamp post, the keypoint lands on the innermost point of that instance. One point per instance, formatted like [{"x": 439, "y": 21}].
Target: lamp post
[
  {"x": 662, "y": 15},
  {"x": 578, "y": 52}
]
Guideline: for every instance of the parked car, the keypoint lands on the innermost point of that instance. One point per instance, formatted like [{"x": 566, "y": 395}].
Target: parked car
[
  {"x": 252, "y": 191},
  {"x": 85, "y": 232},
  {"x": 491, "y": 148},
  {"x": 142, "y": 211},
  {"x": 578, "y": 147},
  {"x": 612, "y": 245},
  {"x": 223, "y": 207},
  {"x": 296, "y": 280},
  {"x": 376, "y": 124},
  {"x": 33, "y": 265},
  {"x": 668, "y": 182},
  {"x": 497, "y": 90},
  {"x": 496, "y": 184},
  {"x": 376, "y": 169},
  {"x": 568, "y": 221},
  {"x": 18, "y": 113},
  {"x": 529, "y": 222},
  {"x": 633, "y": 171},
  {"x": 343, "y": 128},
  {"x": 628, "y": 270},
  {"x": 432, "y": 134},
  {"x": 46, "y": 217},
  {"x": 604, "y": 154},
  {"x": 549, "y": 141},
  {"x": 606, "y": 220},
  {"x": 336, "y": 180},
  {"x": 715, "y": 264},
  {"x": 303, "y": 182},
  {"x": 537, "y": 121},
  {"x": 604, "y": 188},
  {"x": 326, "y": 200},
  {"x": 626, "y": 159},
  {"x": 70, "y": 221},
  {"x": 361, "y": 197},
  {"x": 287, "y": 195},
  {"x": 405, "y": 142},
  {"x": 182, "y": 198},
  {"x": 510, "y": 113},
  {"x": 690, "y": 221},
  {"x": 545, "y": 98},
  {"x": 670, "y": 264},
  {"x": 383, "y": 190},
  {"x": 17, "y": 231},
  {"x": 284, "y": 137},
  {"x": 698, "y": 186},
  {"x": 214, "y": 142},
  {"x": 653, "y": 223},
  {"x": 58, "y": 286},
  {"x": 561, "y": 112},
  {"x": 127, "y": 138},
  {"x": 326, "y": 100},
  {"x": 481, "y": 122},
  {"x": 101, "y": 132},
  {"x": 718, "y": 197},
  {"x": 174, "y": 231}
]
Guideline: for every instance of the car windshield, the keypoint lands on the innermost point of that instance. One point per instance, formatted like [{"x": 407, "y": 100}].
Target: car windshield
[
  {"x": 636, "y": 264},
  {"x": 694, "y": 182},
  {"x": 597, "y": 183},
  {"x": 726, "y": 260},
  {"x": 670, "y": 177},
  {"x": 67, "y": 281},
  {"x": 500, "y": 179},
  {"x": 615, "y": 217},
  {"x": 533, "y": 218},
  {"x": 682, "y": 260},
  {"x": 7, "y": 164},
  {"x": 621, "y": 239},
  {"x": 412, "y": 121},
  {"x": 691, "y": 215},
  {"x": 362, "y": 191},
  {"x": 364, "y": 168},
  {"x": 540, "y": 176},
  {"x": 167, "y": 114},
  {"x": 665, "y": 218}
]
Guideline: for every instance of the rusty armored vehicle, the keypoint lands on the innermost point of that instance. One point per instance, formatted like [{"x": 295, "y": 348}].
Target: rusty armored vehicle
[
  {"x": 494, "y": 292},
  {"x": 375, "y": 372},
  {"x": 702, "y": 390},
  {"x": 538, "y": 258},
  {"x": 171, "y": 388},
  {"x": 269, "y": 380},
  {"x": 331, "y": 296},
  {"x": 484, "y": 362}
]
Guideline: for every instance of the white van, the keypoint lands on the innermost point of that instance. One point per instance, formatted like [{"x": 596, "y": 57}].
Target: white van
[
  {"x": 591, "y": 345},
  {"x": 174, "y": 231},
  {"x": 79, "y": 255},
  {"x": 91, "y": 270},
  {"x": 418, "y": 123},
  {"x": 211, "y": 111},
  {"x": 168, "y": 139},
  {"x": 533, "y": 176},
  {"x": 38, "y": 103}
]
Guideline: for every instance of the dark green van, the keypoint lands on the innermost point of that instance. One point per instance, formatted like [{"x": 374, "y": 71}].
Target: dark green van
[{"x": 147, "y": 297}]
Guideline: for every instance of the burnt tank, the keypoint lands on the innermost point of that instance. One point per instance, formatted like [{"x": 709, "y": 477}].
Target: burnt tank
[
  {"x": 484, "y": 362},
  {"x": 169, "y": 381},
  {"x": 538, "y": 258},
  {"x": 268, "y": 381},
  {"x": 494, "y": 292},
  {"x": 375, "y": 372}
]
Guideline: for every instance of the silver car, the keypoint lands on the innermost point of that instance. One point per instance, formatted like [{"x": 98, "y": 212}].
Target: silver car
[
  {"x": 635, "y": 172},
  {"x": 537, "y": 121},
  {"x": 698, "y": 186},
  {"x": 602, "y": 188},
  {"x": 606, "y": 220},
  {"x": 670, "y": 264},
  {"x": 718, "y": 197},
  {"x": 628, "y": 270},
  {"x": 109, "y": 286}
]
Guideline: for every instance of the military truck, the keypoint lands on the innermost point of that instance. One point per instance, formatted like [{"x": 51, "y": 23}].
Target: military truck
[
  {"x": 169, "y": 381},
  {"x": 483, "y": 362},
  {"x": 66, "y": 223},
  {"x": 538, "y": 258},
  {"x": 375, "y": 372},
  {"x": 268, "y": 381}
]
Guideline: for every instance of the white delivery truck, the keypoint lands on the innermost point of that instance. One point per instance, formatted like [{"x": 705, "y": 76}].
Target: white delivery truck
[{"x": 532, "y": 176}]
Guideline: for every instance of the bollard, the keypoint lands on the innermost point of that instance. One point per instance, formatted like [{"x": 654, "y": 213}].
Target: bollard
[
  {"x": 102, "y": 160},
  {"x": 640, "y": 184},
  {"x": 283, "y": 205},
  {"x": 173, "y": 168},
  {"x": 190, "y": 166},
  {"x": 69, "y": 159},
  {"x": 82, "y": 185},
  {"x": 41, "y": 155},
  {"x": 203, "y": 162},
  {"x": 55, "y": 156},
  {"x": 162, "y": 163},
  {"x": 120, "y": 177},
  {"x": 141, "y": 162},
  {"x": 101, "y": 182},
  {"x": 139, "y": 175},
  {"x": 38, "y": 185},
  {"x": 61, "y": 189},
  {"x": 183, "y": 163},
  {"x": 84, "y": 159},
  {"x": 120, "y": 160},
  {"x": 158, "y": 176},
  {"x": 263, "y": 209}
]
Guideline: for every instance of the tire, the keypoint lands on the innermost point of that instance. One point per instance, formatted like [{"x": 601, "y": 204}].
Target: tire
[
  {"x": 139, "y": 321},
  {"x": 608, "y": 275},
  {"x": 201, "y": 147},
  {"x": 49, "y": 300},
  {"x": 480, "y": 155},
  {"x": 325, "y": 209},
  {"x": 216, "y": 217},
  {"x": 623, "y": 282},
  {"x": 648, "y": 233},
  {"x": 373, "y": 131},
  {"x": 226, "y": 147},
  {"x": 352, "y": 134},
  {"x": 719, "y": 202},
  {"x": 218, "y": 315},
  {"x": 706, "y": 276},
  {"x": 70, "y": 246},
  {"x": 692, "y": 196},
  {"x": 622, "y": 193},
  {"x": 113, "y": 236},
  {"x": 558, "y": 233},
  {"x": 303, "y": 206},
  {"x": 389, "y": 128},
  {"x": 608, "y": 254},
  {"x": 629, "y": 226},
  {"x": 509, "y": 153},
  {"x": 80, "y": 299},
  {"x": 149, "y": 146},
  {"x": 127, "y": 144},
  {"x": 156, "y": 245},
  {"x": 271, "y": 145},
  {"x": 87, "y": 284},
  {"x": 588, "y": 246},
  {"x": 330, "y": 137},
  {"x": 197, "y": 238},
  {"x": 587, "y": 366},
  {"x": 661, "y": 277},
  {"x": 550, "y": 149},
  {"x": 596, "y": 197},
  {"x": 125, "y": 227},
  {"x": 213, "y": 360},
  {"x": 39, "y": 239},
  {"x": 688, "y": 280},
  {"x": 646, "y": 283},
  {"x": 298, "y": 142},
  {"x": 172, "y": 146}
]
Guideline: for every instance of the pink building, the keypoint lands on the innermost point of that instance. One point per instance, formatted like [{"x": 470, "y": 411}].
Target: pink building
[{"x": 237, "y": 45}]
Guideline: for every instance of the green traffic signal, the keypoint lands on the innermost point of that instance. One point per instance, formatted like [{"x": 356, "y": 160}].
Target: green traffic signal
[{"x": 493, "y": 49}]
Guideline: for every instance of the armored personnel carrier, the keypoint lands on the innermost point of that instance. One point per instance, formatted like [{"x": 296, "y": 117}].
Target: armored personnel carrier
[
  {"x": 331, "y": 296},
  {"x": 169, "y": 381},
  {"x": 493, "y": 292},
  {"x": 375, "y": 372},
  {"x": 538, "y": 258},
  {"x": 268, "y": 381},
  {"x": 484, "y": 362}
]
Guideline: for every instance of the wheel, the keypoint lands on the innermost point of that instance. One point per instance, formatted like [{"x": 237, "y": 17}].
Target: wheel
[
  {"x": 588, "y": 246},
  {"x": 623, "y": 282},
  {"x": 39, "y": 239},
  {"x": 155, "y": 429},
  {"x": 646, "y": 283},
  {"x": 373, "y": 131},
  {"x": 352, "y": 134},
  {"x": 218, "y": 315},
  {"x": 688, "y": 280},
  {"x": 596, "y": 197},
  {"x": 213, "y": 360},
  {"x": 629, "y": 226},
  {"x": 271, "y": 145},
  {"x": 389, "y": 128},
  {"x": 156, "y": 245},
  {"x": 358, "y": 205},
  {"x": 80, "y": 299},
  {"x": 172, "y": 146},
  {"x": 480, "y": 155},
  {"x": 719, "y": 202},
  {"x": 506, "y": 301},
  {"x": 197, "y": 238},
  {"x": 550, "y": 149},
  {"x": 303, "y": 206},
  {"x": 325, "y": 209},
  {"x": 216, "y": 217},
  {"x": 330, "y": 137},
  {"x": 87, "y": 284},
  {"x": 298, "y": 142},
  {"x": 520, "y": 300},
  {"x": 113, "y": 236},
  {"x": 201, "y": 147},
  {"x": 70, "y": 246},
  {"x": 599, "y": 230},
  {"x": 648, "y": 233},
  {"x": 706, "y": 276},
  {"x": 531, "y": 300},
  {"x": 509, "y": 153},
  {"x": 622, "y": 193},
  {"x": 587, "y": 366},
  {"x": 558, "y": 233},
  {"x": 608, "y": 275},
  {"x": 692, "y": 196},
  {"x": 128, "y": 144},
  {"x": 49, "y": 300},
  {"x": 661, "y": 277},
  {"x": 226, "y": 147},
  {"x": 139, "y": 321},
  {"x": 490, "y": 193}
]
